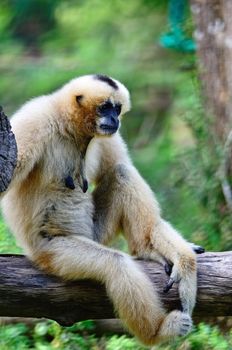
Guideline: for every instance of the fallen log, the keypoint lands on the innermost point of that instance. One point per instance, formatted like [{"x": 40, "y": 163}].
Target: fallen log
[{"x": 27, "y": 292}]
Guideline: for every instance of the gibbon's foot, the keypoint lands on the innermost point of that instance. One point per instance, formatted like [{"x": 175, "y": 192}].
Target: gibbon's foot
[
  {"x": 8, "y": 152},
  {"x": 184, "y": 323},
  {"x": 175, "y": 324},
  {"x": 197, "y": 248}
]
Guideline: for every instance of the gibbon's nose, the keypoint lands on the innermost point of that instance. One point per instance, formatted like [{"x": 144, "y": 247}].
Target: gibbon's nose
[
  {"x": 114, "y": 121},
  {"x": 110, "y": 123}
]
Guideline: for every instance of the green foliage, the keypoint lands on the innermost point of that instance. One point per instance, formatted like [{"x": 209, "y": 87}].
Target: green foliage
[
  {"x": 7, "y": 243},
  {"x": 123, "y": 343},
  {"x": 47, "y": 336},
  {"x": 205, "y": 337},
  {"x": 14, "y": 337},
  {"x": 27, "y": 20},
  {"x": 50, "y": 336}
]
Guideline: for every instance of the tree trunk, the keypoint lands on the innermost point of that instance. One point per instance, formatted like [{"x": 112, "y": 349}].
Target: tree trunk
[
  {"x": 8, "y": 152},
  {"x": 213, "y": 35},
  {"x": 214, "y": 42},
  {"x": 28, "y": 292}
]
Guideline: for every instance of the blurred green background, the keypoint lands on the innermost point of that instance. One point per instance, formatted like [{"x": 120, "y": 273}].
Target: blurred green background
[{"x": 43, "y": 44}]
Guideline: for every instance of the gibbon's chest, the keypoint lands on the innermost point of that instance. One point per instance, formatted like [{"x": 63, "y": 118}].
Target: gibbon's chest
[{"x": 64, "y": 165}]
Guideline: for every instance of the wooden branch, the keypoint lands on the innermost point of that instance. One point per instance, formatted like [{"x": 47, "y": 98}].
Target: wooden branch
[{"x": 27, "y": 292}]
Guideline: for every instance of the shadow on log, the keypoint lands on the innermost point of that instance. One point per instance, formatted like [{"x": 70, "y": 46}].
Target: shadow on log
[{"x": 27, "y": 292}]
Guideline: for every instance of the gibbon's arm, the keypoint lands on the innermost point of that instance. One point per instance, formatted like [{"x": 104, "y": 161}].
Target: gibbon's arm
[
  {"x": 148, "y": 235},
  {"x": 31, "y": 127}
]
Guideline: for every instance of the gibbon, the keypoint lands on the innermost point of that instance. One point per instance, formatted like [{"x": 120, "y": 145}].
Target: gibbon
[{"x": 67, "y": 140}]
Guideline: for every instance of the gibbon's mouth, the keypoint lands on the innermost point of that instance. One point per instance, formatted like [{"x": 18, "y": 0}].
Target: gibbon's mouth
[{"x": 108, "y": 129}]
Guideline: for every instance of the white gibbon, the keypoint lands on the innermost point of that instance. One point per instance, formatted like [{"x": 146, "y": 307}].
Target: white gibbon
[{"x": 65, "y": 141}]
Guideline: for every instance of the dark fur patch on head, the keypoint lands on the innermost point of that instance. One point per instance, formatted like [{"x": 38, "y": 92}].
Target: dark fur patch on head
[{"x": 106, "y": 80}]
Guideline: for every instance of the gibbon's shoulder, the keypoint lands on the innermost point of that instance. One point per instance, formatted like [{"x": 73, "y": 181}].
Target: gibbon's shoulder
[{"x": 34, "y": 108}]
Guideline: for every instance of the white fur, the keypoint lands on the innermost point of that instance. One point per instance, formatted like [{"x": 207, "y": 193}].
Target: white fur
[{"x": 63, "y": 230}]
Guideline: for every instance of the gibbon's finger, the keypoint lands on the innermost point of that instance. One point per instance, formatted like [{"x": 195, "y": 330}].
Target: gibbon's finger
[
  {"x": 169, "y": 285},
  {"x": 168, "y": 268},
  {"x": 175, "y": 277}
]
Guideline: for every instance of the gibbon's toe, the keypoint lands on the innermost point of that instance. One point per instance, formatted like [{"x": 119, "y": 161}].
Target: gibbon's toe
[{"x": 186, "y": 324}]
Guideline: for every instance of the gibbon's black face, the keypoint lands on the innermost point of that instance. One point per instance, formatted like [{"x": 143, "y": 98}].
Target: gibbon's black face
[{"x": 108, "y": 113}]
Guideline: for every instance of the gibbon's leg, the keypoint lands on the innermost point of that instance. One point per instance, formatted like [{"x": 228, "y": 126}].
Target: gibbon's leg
[
  {"x": 136, "y": 302},
  {"x": 109, "y": 202},
  {"x": 123, "y": 199}
]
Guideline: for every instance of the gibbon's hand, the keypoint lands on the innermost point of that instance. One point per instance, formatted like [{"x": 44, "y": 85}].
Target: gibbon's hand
[
  {"x": 168, "y": 267},
  {"x": 8, "y": 152}
]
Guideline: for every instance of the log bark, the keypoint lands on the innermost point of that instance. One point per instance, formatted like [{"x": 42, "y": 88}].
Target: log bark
[{"x": 27, "y": 292}]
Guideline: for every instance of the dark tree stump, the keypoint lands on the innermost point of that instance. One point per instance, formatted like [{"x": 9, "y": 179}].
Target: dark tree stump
[{"x": 8, "y": 152}]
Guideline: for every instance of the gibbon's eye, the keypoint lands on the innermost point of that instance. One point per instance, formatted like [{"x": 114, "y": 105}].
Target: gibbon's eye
[
  {"x": 107, "y": 106},
  {"x": 79, "y": 98},
  {"x": 118, "y": 108}
]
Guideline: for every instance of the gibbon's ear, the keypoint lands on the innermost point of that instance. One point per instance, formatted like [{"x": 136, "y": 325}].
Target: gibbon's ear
[{"x": 79, "y": 98}]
